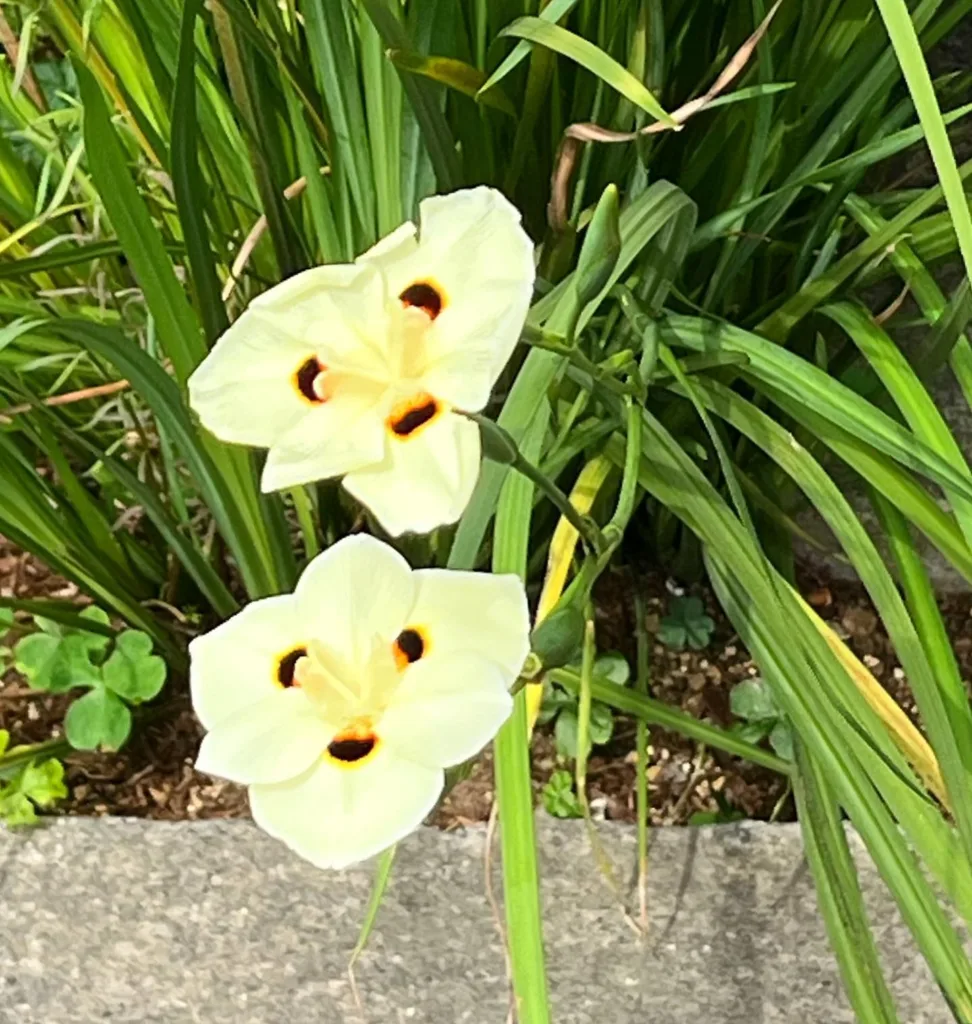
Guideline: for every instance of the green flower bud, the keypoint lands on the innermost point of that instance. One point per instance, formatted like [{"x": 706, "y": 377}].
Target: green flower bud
[
  {"x": 601, "y": 249},
  {"x": 498, "y": 445},
  {"x": 557, "y": 639}
]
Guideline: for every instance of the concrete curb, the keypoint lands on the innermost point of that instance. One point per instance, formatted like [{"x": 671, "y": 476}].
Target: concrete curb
[{"x": 213, "y": 922}]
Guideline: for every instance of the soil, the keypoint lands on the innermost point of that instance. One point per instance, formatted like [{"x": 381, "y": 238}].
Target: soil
[{"x": 153, "y": 775}]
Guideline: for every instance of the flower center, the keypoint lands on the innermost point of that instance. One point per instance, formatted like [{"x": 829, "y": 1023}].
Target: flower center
[
  {"x": 409, "y": 416},
  {"x": 425, "y": 296}
]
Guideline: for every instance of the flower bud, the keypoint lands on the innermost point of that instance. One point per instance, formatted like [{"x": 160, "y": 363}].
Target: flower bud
[
  {"x": 498, "y": 444},
  {"x": 601, "y": 249},
  {"x": 557, "y": 639}
]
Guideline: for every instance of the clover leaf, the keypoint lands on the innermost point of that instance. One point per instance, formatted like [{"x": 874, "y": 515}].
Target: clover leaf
[
  {"x": 781, "y": 739},
  {"x": 44, "y": 782},
  {"x": 600, "y": 730},
  {"x": 613, "y": 666},
  {"x": 559, "y": 798},
  {"x": 92, "y": 641},
  {"x": 98, "y": 719},
  {"x": 56, "y": 662},
  {"x": 686, "y": 625},
  {"x": 132, "y": 670},
  {"x": 753, "y": 700},
  {"x": 60, "y": 658},
  {"x": 35, "y": 785},
  {"x": 554, "y": 701},
  {"x": 16, "y": 810}
]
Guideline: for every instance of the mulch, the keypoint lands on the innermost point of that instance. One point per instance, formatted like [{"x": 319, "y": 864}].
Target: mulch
[{"x": 153, "y": 775}]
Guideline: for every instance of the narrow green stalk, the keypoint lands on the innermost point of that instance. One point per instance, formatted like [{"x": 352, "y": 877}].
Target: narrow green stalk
[
  {"x": 628, "y": 495},
  {"x": 514, "y": 789},
  {"x": 304, "y": 507},
  {"x": 12, "y": 761},
  {"x": 499, "y": 446},
  {"x": 584, "y": 525},
  {"x": 383, "y": 871},
  {"x": 521, "y": 877},
  {"x": 584, "y": 708},
  {"x": 907, "y": 48},
  {"x": 641, "y": 685},
  {"x": 553, "y": 343}
]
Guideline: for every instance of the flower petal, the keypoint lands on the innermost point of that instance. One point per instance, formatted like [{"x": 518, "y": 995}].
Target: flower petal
[
  {"x": 236, "y": 665},
  {"x": 244, "y": 391},
  {"x": 477, "y": 259},
  {"x": 271, "y": 741},
  {"x": 357, "y": 590},
  {"x": 338, "y": 309},
  {"x": 249, "y": 390},
  {"x": 391, "y": 251},
  {"x": 425, "y": 479},
  {"x": 336, "y": 815},
  {"x": 475, "y": 612},
  {"x": 345, "y": 432},
  {"x": 446, "y": 709}
]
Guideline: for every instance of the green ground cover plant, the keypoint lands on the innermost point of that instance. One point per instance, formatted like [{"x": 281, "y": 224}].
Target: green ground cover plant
[{"x": 725, "y": 254}]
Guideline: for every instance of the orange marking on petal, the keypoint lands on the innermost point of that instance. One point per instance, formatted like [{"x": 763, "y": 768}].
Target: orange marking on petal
[
  {"x": 307, "y": 381},
  {"x": 352, "y": 747},
  {"x": 411, "y": 415},
  {"x": 424, "y": 295},
  {"x": 410, "y": 645},
  {"x": 286, "y": 674}
]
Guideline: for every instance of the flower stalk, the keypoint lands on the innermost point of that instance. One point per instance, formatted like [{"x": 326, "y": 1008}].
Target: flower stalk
[{"x": 499, "y": 446}]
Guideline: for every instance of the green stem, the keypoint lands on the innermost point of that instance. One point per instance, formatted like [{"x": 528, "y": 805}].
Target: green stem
[
  {"x": 584, "y": 525},
  {"x": 500, "y": 446},
  {"x": 584, "y": 706},
  {"x": 628, "y": 494},
  {"x": 13, "y": 761},
  {"x": 641, "y": 685},
  {"x": 562, "y": 347},
  {"x": 304, "y": 508}
]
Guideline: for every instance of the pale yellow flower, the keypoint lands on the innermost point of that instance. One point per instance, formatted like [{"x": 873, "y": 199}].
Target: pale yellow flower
[
  {"x": 357, "y": 370},
  {"x": 340, "y": 705}
]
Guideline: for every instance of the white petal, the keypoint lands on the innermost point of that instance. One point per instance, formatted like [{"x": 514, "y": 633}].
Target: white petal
[
  {"x": 337, "y": 309},
  {"x": 244, "y": 391},
  {"x": 343, "y": 433},
  {"x": 271, "y": 741},
  {"x": 425, "y": 480},
  {"x": 446, "y": 709},
  {"x": 357, "y": 590},
  {"x": 391, "y": 251},
  {"x": 475, "y": 612},
  {"x": 474, "y": 250},
  {"x": 334, "y": 816},
  {"x": 235, "y": 665}
]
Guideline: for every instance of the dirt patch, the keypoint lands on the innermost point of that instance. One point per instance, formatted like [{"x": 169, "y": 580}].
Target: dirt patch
[{"x": 153, "y": 776}]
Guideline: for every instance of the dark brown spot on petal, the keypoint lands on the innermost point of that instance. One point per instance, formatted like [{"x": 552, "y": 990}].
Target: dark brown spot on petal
[
  {"x": 424, "y": 296},
  {"x": 349, "y": 749},
  {"x": 407, "y": 418},
  {"x": 410, "y": 646},
  {"x": 305, "y": 377},
  {"x": 287, "y": 665}
]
